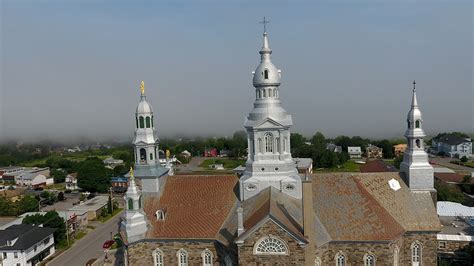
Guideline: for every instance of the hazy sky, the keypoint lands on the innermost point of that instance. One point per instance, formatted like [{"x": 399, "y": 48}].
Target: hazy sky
[{"x": 73, "y": 68}]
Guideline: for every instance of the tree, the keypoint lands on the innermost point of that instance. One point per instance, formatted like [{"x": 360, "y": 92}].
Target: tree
[
  {"x": 398, "y": 160},
  {"x": 448, "y": 193},
  {"x": 318, "y": 141},
  {"x": 93, "y": 176},
  {"x": 7, "y": 208},
  {"x": 61, "y": 196},
  {"x": 387, "y": 148},
  {"x": 27, "y": 204},
  {"x": 59, "y": 176},
  {"x": 52, "y": 220},
  {"x": 464, "y": 159},
  {"x": 109, "y": 205}
]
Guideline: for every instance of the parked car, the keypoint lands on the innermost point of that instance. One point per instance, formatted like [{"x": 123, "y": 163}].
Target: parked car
[{"x": 107, "y": 244}]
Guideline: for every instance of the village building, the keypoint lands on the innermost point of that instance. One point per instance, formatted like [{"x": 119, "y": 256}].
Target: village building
[
  {"x": 452, "y": 146},
  {"x": 354, "y": 152},
  {"x": 399, "y": 149},
  {"x": 373, "y": 152}
]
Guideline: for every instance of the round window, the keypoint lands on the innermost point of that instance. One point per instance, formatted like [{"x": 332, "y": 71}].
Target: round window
[{"x": 289, "y": 187}]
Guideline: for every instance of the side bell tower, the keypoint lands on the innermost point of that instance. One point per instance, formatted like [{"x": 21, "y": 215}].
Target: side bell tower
[{"x": 134, "y": 223}]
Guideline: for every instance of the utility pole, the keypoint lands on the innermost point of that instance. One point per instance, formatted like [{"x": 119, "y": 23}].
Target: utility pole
[
  {"x": 67, "y": 229},
  {"x": 111, "y": 201}
]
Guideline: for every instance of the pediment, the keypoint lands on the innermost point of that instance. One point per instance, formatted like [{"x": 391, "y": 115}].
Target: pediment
[{"x": 268, "y": 123}]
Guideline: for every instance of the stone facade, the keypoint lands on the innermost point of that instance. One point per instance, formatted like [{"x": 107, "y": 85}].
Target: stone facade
[
  {"x": 141, "y": 253},
  {"x": 296, "y": 251}
]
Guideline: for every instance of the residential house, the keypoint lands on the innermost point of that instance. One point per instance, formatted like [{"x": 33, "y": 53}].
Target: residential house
[
  {"x": 25, "y": 245},
  {"x": 399, "y": 149},
  {"x": 119, "y": 184},
  {"x": 374, "y": 152},
  {"x": 93, "y": 207},
  {"x": 354, "y": 152},
  {"x": 71, "y": 182},
  {"x": 452, "y": 146},
  {"x": 111, "y": 162},
  {"x": 334, "y": 148},
  {"x": 210, "y": 152}
]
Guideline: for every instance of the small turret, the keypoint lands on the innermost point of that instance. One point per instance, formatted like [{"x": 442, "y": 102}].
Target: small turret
[{"x": 133, "y": 223}]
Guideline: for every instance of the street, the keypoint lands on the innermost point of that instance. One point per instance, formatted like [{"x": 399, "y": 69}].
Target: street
[
  {"x": 90, "y": 246},
  {"x": 446, "y": 162}
]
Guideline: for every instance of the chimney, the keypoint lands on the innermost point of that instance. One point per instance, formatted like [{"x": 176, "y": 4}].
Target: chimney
[
  {"x": 240, "y": 220},
  {"x": 308, "y": 221}
]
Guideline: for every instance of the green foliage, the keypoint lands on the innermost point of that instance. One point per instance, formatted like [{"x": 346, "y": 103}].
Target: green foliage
[
  {"x": 398, "y": 160},
  {"x": 8, "y": 208},
  {"x": 50, "y": 219},
  {"x": 387, "y": 147},
  {"x": 448, "y": 192},
  {"x": 318, "y": 141},
  {"x": 457, "y": 134},
  {"x": 59, "y": 176},
  {"x": 464, "y": 159},
  {"x": 61, "y": 196},
  {"x": 92, "y": 175},
  {"x": 109, "y": 205}
]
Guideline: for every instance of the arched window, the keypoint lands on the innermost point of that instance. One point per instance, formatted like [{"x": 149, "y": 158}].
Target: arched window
[
  {"x": 268, "y": 142},
  {"x": 151, "y": 156},
  {"x": 418, "y": 143},
  {"x": 416, "y": 252},
  {"x": 408, "y": 124},
  {"x": 152, "y": 121},
  {"x": 285, "y": 143},
  {"x": 142, "y": 122},
  {"x": 148, "y": 123},
  {"x": 396, "y": 255},
  {"x": 206, "y": 257},
  {"x": 136, "y": 119},
  {"x": 417, "y": 123},
  {"x": 259, "y": 94},
  {"x": 160, "y": 215},
  {"x": 143, "y": 155},
  {"x": 278, "y": 148},
  {"x": 265, "y": 73},
  {"x": 369, "y": 260},
  {"x": 182, "y": 257},
  {"x": 140, "y": 202},
  {"x": 260, "y": 146},
  {"x": 264, "y": 93},
  {"x": 317, "y": 261},
  {"x": 270, "y": 245},
  {"x": 340, "y": 259},
  {"x": 130, "y": 204},
  {"x": 158, "y": 257}
]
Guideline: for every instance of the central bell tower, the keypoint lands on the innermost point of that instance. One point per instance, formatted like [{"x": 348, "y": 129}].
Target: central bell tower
[{"x": 269, "y": 162}]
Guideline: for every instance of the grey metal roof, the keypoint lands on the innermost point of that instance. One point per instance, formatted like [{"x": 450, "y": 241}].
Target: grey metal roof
[
  {"x": 144, "y": 171},
  {"x": 451, "y": 140},
  {"x": 27, "y": 235}
]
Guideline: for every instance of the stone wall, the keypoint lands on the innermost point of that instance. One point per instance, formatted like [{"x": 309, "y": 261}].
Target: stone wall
[
  {"x": 141, "y": 253},
  {"x": 246, "y": 256},
  {"x": 430, "y": 248}
]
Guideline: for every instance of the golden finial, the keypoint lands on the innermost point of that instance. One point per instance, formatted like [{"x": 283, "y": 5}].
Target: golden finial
[
  {"x": 168, "y": 154},
  {"x": 142, "y": 87},
  {"x": 131, "y": 173}
]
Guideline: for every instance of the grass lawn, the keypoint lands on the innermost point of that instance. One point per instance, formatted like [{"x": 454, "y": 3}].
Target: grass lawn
[
  {"x": 228, "y": 163},
  {"x": 80, "y": 234},
  {"x": 349, "y": 166},
  {"x": 104, "y": 219}
]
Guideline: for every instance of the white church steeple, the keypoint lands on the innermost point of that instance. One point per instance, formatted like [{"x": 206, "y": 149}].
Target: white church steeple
[
  {"x": 415, "y": 165},
  {"x": 147, "y": 165},
  {"x": 269, "y": 162},
  {"x": 133, "y": 223}
]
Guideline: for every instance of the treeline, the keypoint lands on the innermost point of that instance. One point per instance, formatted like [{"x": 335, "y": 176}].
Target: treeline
[{"x": 14, "y": 208}]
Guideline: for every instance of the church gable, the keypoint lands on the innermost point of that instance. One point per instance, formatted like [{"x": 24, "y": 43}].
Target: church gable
[
  {"x": 270, "y": 244},
  {"x": 268, "y": 123}
]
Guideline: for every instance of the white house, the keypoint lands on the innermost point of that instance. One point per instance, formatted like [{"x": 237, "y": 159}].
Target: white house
[
  {"x": 25, "y": 245},
  {"x": 354, "y": 152},
  {"x": 71, "y": 182},
  {"x": 453, "y": 146}
]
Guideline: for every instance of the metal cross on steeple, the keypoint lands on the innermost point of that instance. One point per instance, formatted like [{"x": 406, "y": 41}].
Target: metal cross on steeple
[{"x": 264, "y": 22}]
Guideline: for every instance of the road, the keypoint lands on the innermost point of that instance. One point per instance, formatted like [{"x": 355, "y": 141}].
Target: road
[
  {"x": 446, "y": 163},
  {"x": 90, "y": 246},
  {"x": 193, "y": 165}
]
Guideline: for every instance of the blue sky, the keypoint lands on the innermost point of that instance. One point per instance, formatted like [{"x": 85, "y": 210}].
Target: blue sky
[{"x": 72, "y": 68}]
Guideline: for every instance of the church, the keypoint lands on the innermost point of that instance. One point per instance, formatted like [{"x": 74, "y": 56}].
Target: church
[{"x": 272, "y": 215}]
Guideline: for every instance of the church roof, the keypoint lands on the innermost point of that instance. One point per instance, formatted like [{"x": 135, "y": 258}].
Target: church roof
[
  {"x": 144, "y": 171},
  {"x": 273, "y": 204},
  {"x": 363, "y": 207},
  {"x": 196, "y": 207}
]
